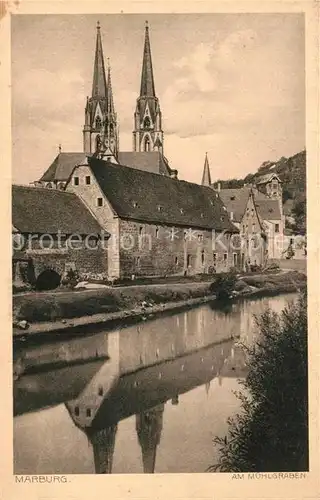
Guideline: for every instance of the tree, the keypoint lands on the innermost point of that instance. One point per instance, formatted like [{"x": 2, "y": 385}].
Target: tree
[{"x": 271, "y": 432}]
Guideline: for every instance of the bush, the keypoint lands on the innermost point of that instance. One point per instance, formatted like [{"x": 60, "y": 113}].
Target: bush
[
  {"x": 271, "y": 432},
  {"x": 223, "y": 285}
]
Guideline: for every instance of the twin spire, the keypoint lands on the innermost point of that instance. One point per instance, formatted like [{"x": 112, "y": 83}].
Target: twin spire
[
  {"x": 101, "y": 87},
  {"x": 147, "y": 81}
]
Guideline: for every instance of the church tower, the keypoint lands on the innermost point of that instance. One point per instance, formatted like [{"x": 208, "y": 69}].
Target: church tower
[
  {"x": 206, "y": 176},
  {"x": 147, "y": 134},
  {"x": 100, "y": 132}
]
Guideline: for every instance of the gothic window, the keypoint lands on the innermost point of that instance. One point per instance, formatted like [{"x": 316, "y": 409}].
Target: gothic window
[
  {"x": 111, "y": 129},
  {"x": 146, "y": 122},
  {"x": 98, "y": 122},
  {"x": 98, "y": 142},
  {"x": 147, "y": 144}
]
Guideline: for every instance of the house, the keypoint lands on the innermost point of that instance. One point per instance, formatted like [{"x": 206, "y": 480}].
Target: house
[
  {"x": 257, "y": 211},
  {"x": 158, "y": 225},
  {"x": 54, "y": 232},
  {"x": 242, "y": 210}
]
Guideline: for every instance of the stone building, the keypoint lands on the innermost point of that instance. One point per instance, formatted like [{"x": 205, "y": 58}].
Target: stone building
[
  {"x": 158, "y": 225},
  {"x": 257, "y": 211},
  {"x": 54, "y": 232}
]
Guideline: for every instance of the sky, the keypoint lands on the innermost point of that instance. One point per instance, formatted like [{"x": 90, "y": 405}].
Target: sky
[{"x": 231, "y": 85}]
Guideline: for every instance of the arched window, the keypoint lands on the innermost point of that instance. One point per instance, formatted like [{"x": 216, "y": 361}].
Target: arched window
[
  {"x": 147, "y": 144},
  {"x": 111, "y": 129},
  {"x": 146, "y": 122},
  {"x": 98, "y": 122}
]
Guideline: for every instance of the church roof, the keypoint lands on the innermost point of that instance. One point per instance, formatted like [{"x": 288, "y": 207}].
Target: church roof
[
  {"x": 62, "y": 166},
  {"x": 136, "y": 194},
  {"x": 235, "y": 200},
  {"x": 147, "y": 81},
  {"x": 41, "y": 210},
  {"x": 150, "y": 161}
]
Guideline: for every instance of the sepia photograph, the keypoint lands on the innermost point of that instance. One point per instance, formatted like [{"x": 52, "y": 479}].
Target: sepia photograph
[{"x": 159, "y": 244}]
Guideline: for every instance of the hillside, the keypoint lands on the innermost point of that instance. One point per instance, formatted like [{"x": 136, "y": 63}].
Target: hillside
[{"x": 292, "y": 172}]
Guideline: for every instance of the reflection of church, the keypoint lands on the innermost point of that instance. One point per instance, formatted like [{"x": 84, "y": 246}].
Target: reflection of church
[{"x": 149, "y": 427}]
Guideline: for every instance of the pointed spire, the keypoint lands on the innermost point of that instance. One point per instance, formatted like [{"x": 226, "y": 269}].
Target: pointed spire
[
  {"x": 206, "y": 176},
  {"x": 99, "y": 85},
  {"x": 110, "y": 103},
  {"x": 147, "y": 82}
]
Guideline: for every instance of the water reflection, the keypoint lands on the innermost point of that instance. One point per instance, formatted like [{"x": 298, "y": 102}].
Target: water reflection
[{"x": 132, "y": 387}]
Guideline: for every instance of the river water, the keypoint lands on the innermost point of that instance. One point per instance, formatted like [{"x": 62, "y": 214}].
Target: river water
[{"x": 148, "y": 397}]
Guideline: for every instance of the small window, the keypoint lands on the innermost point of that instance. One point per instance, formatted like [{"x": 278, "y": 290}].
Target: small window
[
  {"x": 176, "y": 261},
  {"x": 100, "y": 391},
  {"x": 159, "y": 208},
  {"x": 214, "y": 258},
  {"x": 77, "y": 411},
  {"x": 157, "y": 232},
  {"x": 188, "y": 260},
  {"x": 253, "y": 228},
  {"x": 181, "y": 211},
  {"x": 88, "y": 179},
  {"x": 88, "y": 412},
  {"x": 76, "y": 181},
  {"x": 140, "y": 230},
  {"x": 137, "y": 261},
  {"x": 225, "y": 257},
  {"x": 235, "y": 259},
  {"x": 99, "y": 202},
  {"x": 276, "y": 228},
  {"x": 202, "y": 257},
  {"x": 135, "y": 204},
  {"x": 200, "y": 237},
  {"x": 185, "y": 234}
]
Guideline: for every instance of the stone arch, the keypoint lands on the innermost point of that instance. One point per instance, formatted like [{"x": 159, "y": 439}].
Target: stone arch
[{"x": 48, "y": 279}]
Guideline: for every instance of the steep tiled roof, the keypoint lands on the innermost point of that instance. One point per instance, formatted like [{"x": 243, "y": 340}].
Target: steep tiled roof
[
  {"x": 152, "y": 161},
  {"x": 266, "y": 178},
  {"x": 266, "y": 207},
  {"x": 136, "y": 194},
  {"x": 62, "y": 166},
  {"x": 235, "y": 200},
  {"x": 41, "y": 210}
]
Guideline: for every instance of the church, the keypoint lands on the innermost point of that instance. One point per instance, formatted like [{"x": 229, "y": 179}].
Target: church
[
  {"x": 101, "y": 129},
  {"x": 157, "y": 225}
]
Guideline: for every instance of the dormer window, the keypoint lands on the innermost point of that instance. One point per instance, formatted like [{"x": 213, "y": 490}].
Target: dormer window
[{"x": 232, "y": 198}]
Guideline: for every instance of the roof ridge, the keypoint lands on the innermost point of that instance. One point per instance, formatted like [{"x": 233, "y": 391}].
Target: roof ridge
[{"x": 42, "y": 188}]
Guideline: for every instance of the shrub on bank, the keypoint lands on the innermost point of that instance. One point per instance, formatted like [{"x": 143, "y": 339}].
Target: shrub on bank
[
  {"x": 271, "y": 432},
  {"x": 223, "y": 285}
]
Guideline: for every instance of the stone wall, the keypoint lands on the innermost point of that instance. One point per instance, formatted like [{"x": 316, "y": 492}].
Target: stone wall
[
  {"x": 150, "y": 249},
  {"x": 89, "y": 194},
  {"x": 85, "y": 260}
]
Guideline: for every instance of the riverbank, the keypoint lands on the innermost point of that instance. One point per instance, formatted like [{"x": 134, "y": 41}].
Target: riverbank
[{"x": 74, "y": 312}]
